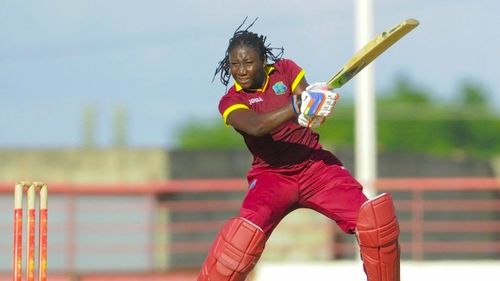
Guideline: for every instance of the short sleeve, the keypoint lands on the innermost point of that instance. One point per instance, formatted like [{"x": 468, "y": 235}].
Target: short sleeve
[
  {"x": 230, "y": 102},
  {"x": 295, "y": 72}
]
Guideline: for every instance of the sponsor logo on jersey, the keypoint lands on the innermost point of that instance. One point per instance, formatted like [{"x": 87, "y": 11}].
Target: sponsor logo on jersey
[
  {"x": 255, "y": 100},
  {"x": 279, "y": 88}
]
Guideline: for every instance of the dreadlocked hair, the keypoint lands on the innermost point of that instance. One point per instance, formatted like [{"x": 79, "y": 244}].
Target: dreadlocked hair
[{"x": 243, "y": 37}]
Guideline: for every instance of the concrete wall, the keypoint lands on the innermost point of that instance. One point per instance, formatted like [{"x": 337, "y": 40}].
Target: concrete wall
[
  {"x": 209, "y": 164},
  {"x": 155, "y": 164},
  {"x": 411, "y": 164},
  {"x": 84, "y": 165}
]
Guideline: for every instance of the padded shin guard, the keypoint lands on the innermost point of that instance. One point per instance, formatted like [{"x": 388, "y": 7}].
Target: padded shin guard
[
  {"x": 234, "y": 253},
  {"x": 377, "y": 231}
]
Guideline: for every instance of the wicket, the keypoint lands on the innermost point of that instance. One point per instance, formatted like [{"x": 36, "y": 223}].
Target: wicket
[{"x": 31, "y": 188}]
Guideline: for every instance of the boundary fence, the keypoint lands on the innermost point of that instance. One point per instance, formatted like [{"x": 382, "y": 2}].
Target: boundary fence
[{"x": 152, "y": 230}]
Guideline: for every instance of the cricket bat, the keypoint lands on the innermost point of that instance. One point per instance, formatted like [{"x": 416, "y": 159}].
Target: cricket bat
[{"x": 370, "y": 52}]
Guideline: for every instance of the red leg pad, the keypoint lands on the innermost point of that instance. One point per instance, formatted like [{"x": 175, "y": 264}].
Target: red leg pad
[
  {"x": 377, "y": 231},
  {"x": 234, "y": 253}
]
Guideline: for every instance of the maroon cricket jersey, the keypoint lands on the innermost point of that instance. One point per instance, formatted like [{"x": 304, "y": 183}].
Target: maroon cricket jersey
[{"x": 290, "y": 143}]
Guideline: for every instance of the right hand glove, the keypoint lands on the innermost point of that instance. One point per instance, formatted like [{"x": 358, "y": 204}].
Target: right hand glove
[{"x": 315, "y": 101}]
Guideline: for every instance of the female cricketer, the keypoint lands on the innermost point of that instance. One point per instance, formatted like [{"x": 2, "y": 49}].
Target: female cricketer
[{"x": 274, "y": 108}]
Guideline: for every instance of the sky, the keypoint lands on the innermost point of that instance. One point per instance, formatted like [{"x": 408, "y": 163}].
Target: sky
[{"x": 156, "y": 59}]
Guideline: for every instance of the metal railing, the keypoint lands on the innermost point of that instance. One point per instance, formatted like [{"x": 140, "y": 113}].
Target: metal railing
[{"x": 168, "y": 226}]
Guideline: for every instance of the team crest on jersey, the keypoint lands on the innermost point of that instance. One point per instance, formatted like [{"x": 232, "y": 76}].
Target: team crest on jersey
[{"x": 279, "y": 88}]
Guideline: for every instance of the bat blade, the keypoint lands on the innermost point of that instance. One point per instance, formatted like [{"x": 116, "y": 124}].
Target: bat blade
[{"x": 371, "y": 51}]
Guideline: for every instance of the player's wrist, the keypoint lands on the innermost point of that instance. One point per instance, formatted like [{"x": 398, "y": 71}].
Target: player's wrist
[
  {"x": 296, "y": 103},
  {"x": 317, "y": 86}
]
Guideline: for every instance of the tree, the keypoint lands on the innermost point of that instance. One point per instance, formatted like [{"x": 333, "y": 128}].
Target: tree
[
  {"x": 208, "y": 135},
  {"x": 407, "y": 120}
]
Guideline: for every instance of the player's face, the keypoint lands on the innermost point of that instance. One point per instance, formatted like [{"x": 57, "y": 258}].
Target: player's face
[{"x": 247, "y": 68}]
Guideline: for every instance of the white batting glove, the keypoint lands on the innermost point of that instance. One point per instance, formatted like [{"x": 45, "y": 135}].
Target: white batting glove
[
  {"x": 317, "y": 86},
  {"x": 310, "y": 122},
  {"x": 315, "y": 101}
]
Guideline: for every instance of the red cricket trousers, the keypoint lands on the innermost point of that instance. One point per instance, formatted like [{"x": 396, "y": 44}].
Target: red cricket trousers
[{"x": 321, "y": 183}]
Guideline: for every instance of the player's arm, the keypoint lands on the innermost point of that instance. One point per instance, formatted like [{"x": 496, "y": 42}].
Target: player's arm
[
  {"x": 301, "y": 86},
  {"x": 259, "y": 124}
]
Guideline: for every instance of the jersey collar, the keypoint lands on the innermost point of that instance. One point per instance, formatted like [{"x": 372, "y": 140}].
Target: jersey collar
[{"x": 268, "y": 69}]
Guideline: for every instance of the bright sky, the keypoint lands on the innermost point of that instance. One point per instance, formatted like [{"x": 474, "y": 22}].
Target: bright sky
[{"x": 157, "y": 58}]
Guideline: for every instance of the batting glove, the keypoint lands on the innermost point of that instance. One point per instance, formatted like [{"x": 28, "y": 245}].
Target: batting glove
[{"x": 315, "y": 101}]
